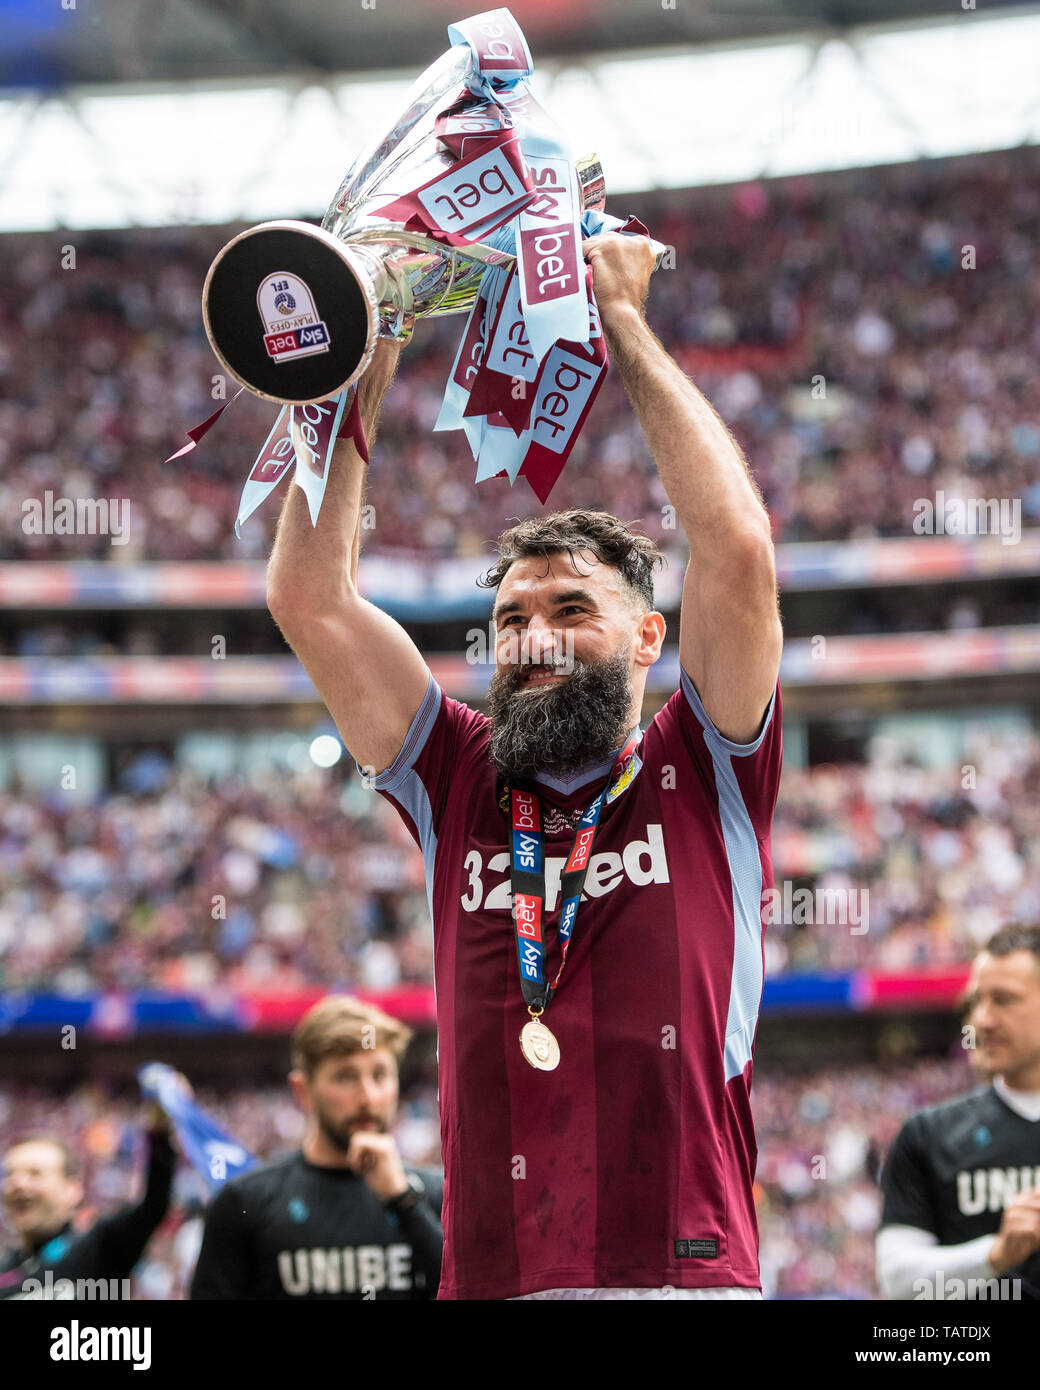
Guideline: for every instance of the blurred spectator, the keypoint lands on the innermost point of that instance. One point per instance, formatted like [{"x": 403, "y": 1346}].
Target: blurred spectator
[
  {"x": 282, "y": 881},
  {"x": 828, "y": 318},
  {"x": 820, "y": 1136}
]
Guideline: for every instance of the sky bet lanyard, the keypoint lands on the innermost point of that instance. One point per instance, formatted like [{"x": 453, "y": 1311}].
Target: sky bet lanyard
[{"x": 528, "y": 884}]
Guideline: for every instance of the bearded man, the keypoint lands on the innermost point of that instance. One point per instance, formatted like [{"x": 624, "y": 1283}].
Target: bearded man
[
  {"x": 595, "y": 887},
  {"x": 342, "y": 1217}
]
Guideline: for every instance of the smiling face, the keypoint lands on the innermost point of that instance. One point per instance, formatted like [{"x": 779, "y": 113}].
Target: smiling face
[
  {"x": 1004, "y": 1009},
  {"x": 38, "y": 1196},
  {"x": 573, "y": 646}
]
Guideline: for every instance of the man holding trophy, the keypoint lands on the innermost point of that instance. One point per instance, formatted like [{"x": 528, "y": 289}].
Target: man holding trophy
[{"x": 595, "y": 887}]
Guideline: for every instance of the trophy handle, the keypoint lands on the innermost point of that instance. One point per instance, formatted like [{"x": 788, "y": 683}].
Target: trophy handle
[{"x": 591, "y": 182}]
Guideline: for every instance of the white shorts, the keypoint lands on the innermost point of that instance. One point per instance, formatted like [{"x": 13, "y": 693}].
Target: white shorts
[{"x": 665, "y": 1293}]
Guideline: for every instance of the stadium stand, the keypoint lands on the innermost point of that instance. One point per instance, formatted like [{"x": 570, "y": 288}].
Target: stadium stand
[{"x": 856, "y": 279}]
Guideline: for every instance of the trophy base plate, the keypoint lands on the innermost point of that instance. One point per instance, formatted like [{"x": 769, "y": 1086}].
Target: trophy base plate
[{"x": 287, "y": 314}]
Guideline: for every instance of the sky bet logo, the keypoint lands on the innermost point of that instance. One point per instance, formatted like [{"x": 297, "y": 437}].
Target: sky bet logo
[
  {"x": 529, "y": 935},
  {"x": 290, "y": 317},
  {"x": 580, "y": 853},
  {"x": 527, "y": 851}
]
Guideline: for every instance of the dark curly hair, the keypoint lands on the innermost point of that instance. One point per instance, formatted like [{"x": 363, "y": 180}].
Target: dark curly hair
[{"x": 609, "y": 539}]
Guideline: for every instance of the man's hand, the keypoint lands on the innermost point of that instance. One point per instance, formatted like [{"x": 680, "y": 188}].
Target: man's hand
[
  {"x": 1019, "y": 1233},
  {"x": 621, "y": 270},
  {"x": 154, "y": 1117},
  {"x": 375, "y": 1158}
]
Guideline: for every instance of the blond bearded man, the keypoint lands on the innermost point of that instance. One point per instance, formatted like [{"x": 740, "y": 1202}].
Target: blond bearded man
[{"x": 344, "y": 1217}]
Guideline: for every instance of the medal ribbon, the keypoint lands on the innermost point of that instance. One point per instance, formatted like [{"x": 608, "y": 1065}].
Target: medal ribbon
[{"x": 528, "y": 879}]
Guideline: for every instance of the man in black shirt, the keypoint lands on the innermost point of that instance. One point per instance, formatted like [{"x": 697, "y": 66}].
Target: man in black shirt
[
  {"x": 961, "y": 1215},
  {"x": 51, "y": 1258},
  {"x": 342, "y": 1218}
]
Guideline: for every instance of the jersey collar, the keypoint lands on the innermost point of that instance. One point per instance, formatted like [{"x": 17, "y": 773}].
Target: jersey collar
[
  {"x": 568, "y": 783},
  {"x": 1024, "y": 1103}
]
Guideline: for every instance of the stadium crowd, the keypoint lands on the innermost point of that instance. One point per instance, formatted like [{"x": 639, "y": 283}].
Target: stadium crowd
[
  {"x": 290, "y": 879},
  {"x": 817, "y": 1219},
  {"x": 870, "y": 337}
]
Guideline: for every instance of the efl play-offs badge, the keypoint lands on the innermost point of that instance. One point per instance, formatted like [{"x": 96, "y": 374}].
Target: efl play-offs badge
[{"x": 287, "y": 309}]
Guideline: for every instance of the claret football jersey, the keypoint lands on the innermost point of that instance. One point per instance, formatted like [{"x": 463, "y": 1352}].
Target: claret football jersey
[{"x": 632, "y": 1164}]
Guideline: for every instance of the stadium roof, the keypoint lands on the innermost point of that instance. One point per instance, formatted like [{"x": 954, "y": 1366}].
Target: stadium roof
[
  {"x": 246, "y": 149},
  {"x": 46, "y": 45}
]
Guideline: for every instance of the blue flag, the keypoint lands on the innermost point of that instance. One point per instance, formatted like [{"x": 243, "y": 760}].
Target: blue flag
[{"x": 206, "y": 1146}]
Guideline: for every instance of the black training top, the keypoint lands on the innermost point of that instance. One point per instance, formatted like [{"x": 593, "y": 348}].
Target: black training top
[
  {"x": 296, "y": 1230},
  {"x": 954, "y": 1167},
  {"x": 108, "y": 1250}
]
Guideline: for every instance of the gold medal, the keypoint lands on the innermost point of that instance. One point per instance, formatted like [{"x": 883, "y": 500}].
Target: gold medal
[{"x": 539, "y": 1046}]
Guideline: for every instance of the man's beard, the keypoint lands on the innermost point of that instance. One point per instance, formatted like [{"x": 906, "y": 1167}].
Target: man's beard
[
  {"x": 562, "y": 725},
  {"x": 339, "y": 1134}
]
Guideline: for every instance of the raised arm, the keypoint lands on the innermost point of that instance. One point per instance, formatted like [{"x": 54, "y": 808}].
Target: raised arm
[
  {"x": 363, "y": 664},
  {"x": 729, "y": 631}
]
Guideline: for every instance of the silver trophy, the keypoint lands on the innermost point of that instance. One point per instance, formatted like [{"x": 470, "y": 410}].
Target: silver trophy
[{"x": 294, "y": 311}]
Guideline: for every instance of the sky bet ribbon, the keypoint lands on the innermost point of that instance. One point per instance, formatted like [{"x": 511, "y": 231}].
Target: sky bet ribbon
[
  {"x": 532, "y": 356},
  {"x": 549, "y": 259},
  {"x": 206, "y": 1146},
  {"x": 528, "y": 877}
]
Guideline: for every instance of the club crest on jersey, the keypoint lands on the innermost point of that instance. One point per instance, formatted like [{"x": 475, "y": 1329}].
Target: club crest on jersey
[
  {"x": 292, "y": 325},
  {"x": 626, "y": 775}
]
